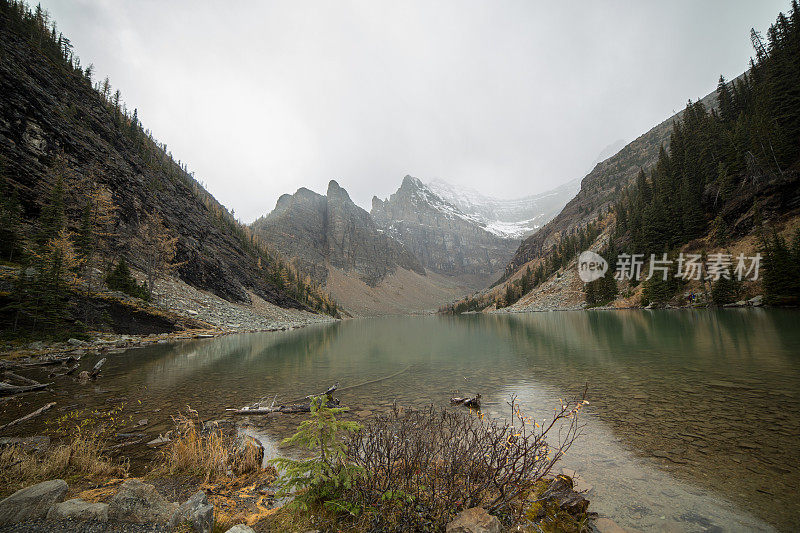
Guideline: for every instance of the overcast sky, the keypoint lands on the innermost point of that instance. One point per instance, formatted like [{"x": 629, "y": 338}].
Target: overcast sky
[{"x": 510, "y": 98}]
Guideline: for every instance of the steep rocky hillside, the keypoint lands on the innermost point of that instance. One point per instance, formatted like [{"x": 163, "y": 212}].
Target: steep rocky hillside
[
  {"x": 366, "y": 269},
  {"x": 445, "y": 239},
  {"x": 600, "y": 189},
  {"x": 331, "y": 231},
  {"x": 515, "y": 218},
  {"x": 55, "y": 127}
]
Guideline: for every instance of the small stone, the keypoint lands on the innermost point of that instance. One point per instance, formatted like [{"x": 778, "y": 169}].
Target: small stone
[
  {"x": 76, "y": 509},
  {"x": 32, "y": 502},
  {"x": 606, "y": 525},
  {"x": 139, "y": 503},
  {"x": 76, "y": 342},
  {"x": 241, "y": 528},
  {"x": 474, "y": 520},
  {"x": 143, "y": 422},
  {"x": 191, "y": 312},
  {"x": 197, "y": 512}
]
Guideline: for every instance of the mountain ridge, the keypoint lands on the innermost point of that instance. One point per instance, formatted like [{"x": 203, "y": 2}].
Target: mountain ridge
[
  {"x": 55, "y": 127},
  {"x": 445, "y": 239},
  {"x": 320, "y": 231}
]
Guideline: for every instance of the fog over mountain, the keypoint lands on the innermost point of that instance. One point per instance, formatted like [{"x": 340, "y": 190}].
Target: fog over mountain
[{"x": 510, "y": 99}]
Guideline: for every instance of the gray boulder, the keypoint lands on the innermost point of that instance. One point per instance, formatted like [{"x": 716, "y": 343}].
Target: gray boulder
[
  {"x": 756, "y": 301},
  {"x": 139, "y": 503},
  {"x": 241, "y": 528},
  {"x": 32, "y": 502},
  {"x": 76, "y": 509},
  {"x": 197, "y": 512},
  {"x": 474, "y": 520}
]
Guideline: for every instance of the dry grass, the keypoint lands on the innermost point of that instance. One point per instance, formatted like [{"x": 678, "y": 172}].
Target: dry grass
[
  {"x": 81, "y": 458},
  {"x": 210, "y": 455}
]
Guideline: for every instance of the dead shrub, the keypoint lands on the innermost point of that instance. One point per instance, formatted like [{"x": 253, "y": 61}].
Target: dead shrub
[{"x": 425, "y": 466}]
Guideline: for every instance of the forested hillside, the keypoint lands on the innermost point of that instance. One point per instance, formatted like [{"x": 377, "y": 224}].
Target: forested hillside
[
  {"x": 724, "y": 170},
  {"x": 86, "y": 186},
  {"x": 729, "y": 171}
]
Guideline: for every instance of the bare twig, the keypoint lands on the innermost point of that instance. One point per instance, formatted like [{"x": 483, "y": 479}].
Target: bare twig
[{"x": 28, "y": 416}]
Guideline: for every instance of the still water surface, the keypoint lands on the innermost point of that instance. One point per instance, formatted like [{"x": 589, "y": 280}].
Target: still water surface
[{"x": 693, "y": 425}]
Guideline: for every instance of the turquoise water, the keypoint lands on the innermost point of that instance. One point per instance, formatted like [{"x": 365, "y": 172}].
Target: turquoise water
[{"x": 693, "y": 425}]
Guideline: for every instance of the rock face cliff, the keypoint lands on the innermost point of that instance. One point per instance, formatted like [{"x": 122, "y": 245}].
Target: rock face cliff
[
  {"x": 50, "y": 113},
  {"x": 445, "y": 239},
  {"x": 319, "y": 232}
]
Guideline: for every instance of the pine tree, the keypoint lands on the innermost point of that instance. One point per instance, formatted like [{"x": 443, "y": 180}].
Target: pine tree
[
  {"x": 322, "y": 478},
  {"x": 726, "y": 109},
  {"x": 121, "y": 279}
]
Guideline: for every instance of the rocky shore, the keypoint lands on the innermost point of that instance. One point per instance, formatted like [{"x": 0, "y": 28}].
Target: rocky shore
[
  {"x": 135, "y": 506},
  {"x": 193, "y": 312}
]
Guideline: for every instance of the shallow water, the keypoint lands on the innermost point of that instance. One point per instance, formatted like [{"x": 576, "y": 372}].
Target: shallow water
[{"x": 693, "y": 425}]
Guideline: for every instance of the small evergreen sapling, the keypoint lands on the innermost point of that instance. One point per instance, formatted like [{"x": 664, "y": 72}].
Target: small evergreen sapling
[{"x": 324, "y": 477}]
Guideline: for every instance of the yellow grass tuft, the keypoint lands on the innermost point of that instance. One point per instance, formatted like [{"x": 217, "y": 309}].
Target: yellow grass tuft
[
  {"x": 81, "y": 458},
  {"x": 210, "y": 455}
]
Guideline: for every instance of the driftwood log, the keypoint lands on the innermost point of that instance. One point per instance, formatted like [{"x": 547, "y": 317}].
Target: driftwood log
[
  {"x": 7, "y": 389},
  {"x": 28, "y": 416},
  {"x": 258, "y": 409},
  {"x": 472, "y": 403},
  {"x": 12, "y": 375},
  {"x": 94, "y": 372},
  {"x": 47, "y": 360}
]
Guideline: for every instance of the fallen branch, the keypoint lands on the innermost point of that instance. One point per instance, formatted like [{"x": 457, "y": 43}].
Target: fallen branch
[
  {"x": 257, "y": 409},
  {"x": 29, "y": 381},
  {"x": 51, "y": 360},
  {"x": 96, "y": 370},
  {"x": 294, "y": 408},
  {"x": 28, "y": 416},
  {"x": 370, "y": 382},
  {"x": 328, "y": 393},
  {"x": 7, "y": 389}
]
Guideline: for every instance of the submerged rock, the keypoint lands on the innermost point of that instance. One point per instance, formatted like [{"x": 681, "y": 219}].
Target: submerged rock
[
  {"x": 32, "y": 502},
  {"x": 474, "y": 520},
  {"x": 606, "y": 525},
  {"x": 35, "y": 443}
]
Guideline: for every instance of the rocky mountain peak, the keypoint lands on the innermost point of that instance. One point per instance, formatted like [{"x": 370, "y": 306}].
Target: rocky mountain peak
[
  {"x": 445, "y": 239},
  {"x": 334, "y": 189},
  {"x": 320, "y": 231},
  {"x": 411, "y": 181}
]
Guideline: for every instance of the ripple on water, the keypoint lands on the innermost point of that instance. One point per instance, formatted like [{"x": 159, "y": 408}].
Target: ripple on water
[{"x": 689, "y": 410}]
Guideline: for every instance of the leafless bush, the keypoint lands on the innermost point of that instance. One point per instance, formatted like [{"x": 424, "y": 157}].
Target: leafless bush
[{"x": 424, "y": 466}]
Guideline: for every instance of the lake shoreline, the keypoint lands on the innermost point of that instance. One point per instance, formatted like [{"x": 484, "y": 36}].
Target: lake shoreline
[{"x": 539, "y": 356}]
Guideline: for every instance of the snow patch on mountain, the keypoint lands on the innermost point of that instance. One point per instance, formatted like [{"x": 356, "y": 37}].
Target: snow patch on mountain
[{"x": 515, "y": 218}]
